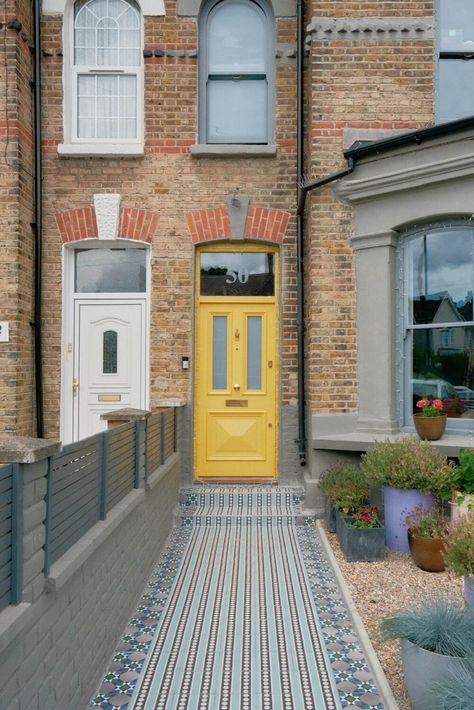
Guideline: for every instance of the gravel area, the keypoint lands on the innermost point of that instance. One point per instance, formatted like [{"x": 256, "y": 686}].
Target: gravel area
[{"x": 378, "y": 589}]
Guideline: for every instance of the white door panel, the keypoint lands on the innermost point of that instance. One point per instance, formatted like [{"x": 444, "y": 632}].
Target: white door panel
[{"x": 109, "y": 366}]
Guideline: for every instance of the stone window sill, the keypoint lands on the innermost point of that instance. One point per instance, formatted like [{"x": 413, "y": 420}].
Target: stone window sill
[
  {"x": 100, "y": 150},
  {"x": 449, "y": 445},
  {"x": 233, "y": 150}
]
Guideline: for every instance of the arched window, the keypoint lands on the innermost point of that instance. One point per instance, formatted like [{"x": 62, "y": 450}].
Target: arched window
[
  {"x": 106, "y": 88},
  {"x": 439, "y": 320},
  {"x": 236, "y": 72}
]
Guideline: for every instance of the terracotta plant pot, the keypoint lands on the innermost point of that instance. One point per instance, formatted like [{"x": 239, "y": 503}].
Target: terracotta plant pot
[
  {"x": 427, "y": 552},
  {"x": 430, "y": 428}
]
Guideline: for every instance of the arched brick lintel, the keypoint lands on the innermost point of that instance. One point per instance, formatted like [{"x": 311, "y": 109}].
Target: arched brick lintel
[
  {"x": 81, "y": 223},
  {"x": 212, "y": 224}
]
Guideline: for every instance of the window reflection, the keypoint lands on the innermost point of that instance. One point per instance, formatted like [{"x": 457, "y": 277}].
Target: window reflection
[
  {"x": 110, "y": 271},
  {"x": 440, "y": 299}
]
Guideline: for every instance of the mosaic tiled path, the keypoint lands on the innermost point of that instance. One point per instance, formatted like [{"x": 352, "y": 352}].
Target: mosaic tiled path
[{"x": 242, "y": 613}]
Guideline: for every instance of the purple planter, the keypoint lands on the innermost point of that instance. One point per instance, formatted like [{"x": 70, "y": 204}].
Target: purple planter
[
  {"x": 397, "y": 505},
  {"x": 469, "y": 591}
]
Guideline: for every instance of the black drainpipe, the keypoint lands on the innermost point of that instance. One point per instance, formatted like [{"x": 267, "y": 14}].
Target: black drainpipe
[
  {"x": 38, "y": 223},
  {"x": 302, "y": 191}
]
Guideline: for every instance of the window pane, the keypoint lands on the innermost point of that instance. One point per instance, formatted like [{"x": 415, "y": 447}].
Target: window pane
[
  {"x": 107, "y": 33},
  {"x": 237, "y": 111},
  {"x": 457, "y": 25},
  {"x": 441, "y": 277},
  {"x": 254, "y": 353},
  {"x": 109, "y": 359},
  {"x": 236, "y": 39},
  {"x": 455, "y": 89},
  {"x": 110, "y": 271},
  {"x": 237, "y": 274},
  {"x": 219, "y": 353},
  {"x": 106, "y": 105},
  {"x": 443, "y": 368}
]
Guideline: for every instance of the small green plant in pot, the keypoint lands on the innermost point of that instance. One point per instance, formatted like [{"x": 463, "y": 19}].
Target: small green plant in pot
[
  {"x": 437, "y": 639},
  {"x": 411, "y": 473},
  {"x": 426, "y": 537},
  {"x": 463, "y": 481},
  {"x": 459, "y": 554},
  {"x": 345, "y": 489}
]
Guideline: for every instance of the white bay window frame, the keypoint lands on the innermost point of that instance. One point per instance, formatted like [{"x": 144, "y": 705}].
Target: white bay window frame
[{"x": 73, "y": 144}]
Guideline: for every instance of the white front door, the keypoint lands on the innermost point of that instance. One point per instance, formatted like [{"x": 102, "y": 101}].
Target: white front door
[{"x": 109, "y": 361}]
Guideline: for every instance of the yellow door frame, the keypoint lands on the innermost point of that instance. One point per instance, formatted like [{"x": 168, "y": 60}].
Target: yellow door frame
[{"x": 206, "y": 301}]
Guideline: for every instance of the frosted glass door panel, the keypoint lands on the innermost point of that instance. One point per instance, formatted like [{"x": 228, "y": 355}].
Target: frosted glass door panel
[
  {"x": 219, "y": 352},
  {"x": 254, "y": 353}
]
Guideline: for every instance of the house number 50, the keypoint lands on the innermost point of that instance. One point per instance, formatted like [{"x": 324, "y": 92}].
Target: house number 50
[{"x": 242, "y": 276}]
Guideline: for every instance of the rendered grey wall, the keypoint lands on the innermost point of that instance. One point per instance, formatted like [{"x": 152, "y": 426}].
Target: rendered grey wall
[{"x": 66, "y": 637}]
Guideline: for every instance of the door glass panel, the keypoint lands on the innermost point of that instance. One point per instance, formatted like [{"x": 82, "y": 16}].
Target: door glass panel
[
  {"x": 237, "y": 274},
  {"x": 110, "y": 271},
  {"x": 219, "y": 352},
  {"x": 254, "y": 353},
  {"x": 109, "y": 357}
]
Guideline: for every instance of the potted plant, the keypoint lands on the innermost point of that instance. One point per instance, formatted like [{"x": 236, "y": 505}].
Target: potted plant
[
  {"x": 437, "y": 640},
  {"x": 456, "y": 691},
  {"x": 411, "y": 473},
  {"x": 430, "y": 423},
  {"x": 463, "y": 479},
  {"x": 426, "y": 537},
  {"x": 345, "y": 489},
  {"x": 459, "y": 554},
  {"x": 361, "y": 535}
]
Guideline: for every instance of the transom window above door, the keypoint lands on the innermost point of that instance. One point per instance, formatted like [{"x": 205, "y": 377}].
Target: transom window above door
[
  {"x": 110, "y": 271},
  {"x": 104, "y": 79},
  {"x": 439, "y": 321},
  {"x": 237, "y": 274},
  {"x": 236, "y": 72}
]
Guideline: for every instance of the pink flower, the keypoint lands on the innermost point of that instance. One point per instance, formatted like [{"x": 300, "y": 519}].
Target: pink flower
[
  {"x": 437, "y": 404},
  {"x": 422, "y": 403}
]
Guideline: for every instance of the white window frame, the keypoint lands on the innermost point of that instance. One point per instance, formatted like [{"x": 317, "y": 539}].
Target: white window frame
[
  {"x": 407, "y": 329},
  {"x": 73, "y": 145}
]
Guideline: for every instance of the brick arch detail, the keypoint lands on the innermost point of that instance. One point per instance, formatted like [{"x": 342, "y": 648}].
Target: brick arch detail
[
  {"x": 262, "y": 223},
  {"x": 81, "y": 223}
]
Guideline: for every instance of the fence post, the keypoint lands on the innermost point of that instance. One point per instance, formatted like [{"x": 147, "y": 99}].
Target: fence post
[
  {"x": 103, "y": 476},
  {"x": 17, "y": 534},
  {"x": 162, "y": 438},
  {"x": 49, "y": 496}
]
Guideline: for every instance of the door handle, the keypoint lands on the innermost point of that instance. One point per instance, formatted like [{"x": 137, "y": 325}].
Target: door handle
[
  {"x": 236, "y": 387},
  {"x": 75, "y": 387}
]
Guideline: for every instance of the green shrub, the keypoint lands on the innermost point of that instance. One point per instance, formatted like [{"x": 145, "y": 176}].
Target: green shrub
[
  {"x": 409, "y": 463},
  {"x": 346, "y": 486},
  {"x": 459, "y": 552},
  {"x": 439, "y": 625}
]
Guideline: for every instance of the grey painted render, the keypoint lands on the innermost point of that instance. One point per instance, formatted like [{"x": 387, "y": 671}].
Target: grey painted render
[
  {"x": 232, "y": 150},
  {"x": 367, "y": 28},
  {"x": 390, "y": 193},
  {"x": 237, "y": 210},
  {"x": 281, "y": 8}
]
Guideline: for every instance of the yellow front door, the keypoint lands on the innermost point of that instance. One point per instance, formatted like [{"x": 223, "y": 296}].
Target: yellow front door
[{"x": 236, "y": 363}]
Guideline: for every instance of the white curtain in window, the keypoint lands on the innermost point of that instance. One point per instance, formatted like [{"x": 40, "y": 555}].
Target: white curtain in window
[{"x": 107, "y": 34}]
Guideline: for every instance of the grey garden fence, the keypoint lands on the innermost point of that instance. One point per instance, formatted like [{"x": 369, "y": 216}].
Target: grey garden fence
[
  {"x": 11, "y": 530},
  {"x": 89, "y": 477}
]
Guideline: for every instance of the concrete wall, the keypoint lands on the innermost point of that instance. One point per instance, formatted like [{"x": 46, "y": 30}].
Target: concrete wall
[{"x": 55, "y": 645}]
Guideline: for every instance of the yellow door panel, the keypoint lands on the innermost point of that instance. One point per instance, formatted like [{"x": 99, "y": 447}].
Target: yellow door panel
[
  {"x": 236, "y": 436},
  {"x": 236, "y": 383}
]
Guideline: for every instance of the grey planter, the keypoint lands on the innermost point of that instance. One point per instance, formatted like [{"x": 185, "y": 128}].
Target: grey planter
[
  {"x": 330, "y": 515},
  {"x": 424, "y": 670},
  {"x": 360, "y": 544}
]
